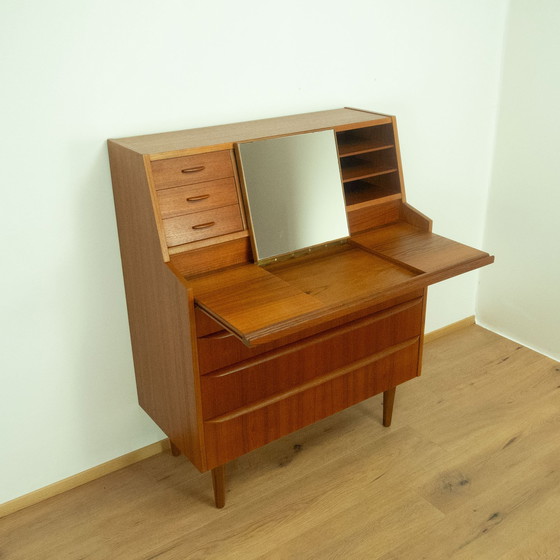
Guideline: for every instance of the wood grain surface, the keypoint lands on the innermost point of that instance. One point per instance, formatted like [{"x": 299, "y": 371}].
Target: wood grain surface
[
  {"x": 159, "y": 311},
  {"x": 262, "y": 304},
  {"x": 223, "y": 136},
  {"x": 197, "y": 198}
]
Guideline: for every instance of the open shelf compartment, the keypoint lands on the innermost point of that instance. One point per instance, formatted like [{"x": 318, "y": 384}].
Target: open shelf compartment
[
  {"x": 363, "y": 140},
  {"x": 369, "y": 165},
  {"x": 374, "y": 190}
]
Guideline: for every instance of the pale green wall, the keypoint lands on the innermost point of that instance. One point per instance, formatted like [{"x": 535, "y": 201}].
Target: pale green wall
[
  {"x": 519, "y": 295},
  {"x": 75, "y": 73}
]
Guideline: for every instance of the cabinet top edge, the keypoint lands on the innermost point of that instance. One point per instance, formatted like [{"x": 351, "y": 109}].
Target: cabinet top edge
[{"x": 222, "y": 135}]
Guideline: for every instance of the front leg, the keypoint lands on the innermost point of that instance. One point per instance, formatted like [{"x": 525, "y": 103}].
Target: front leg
[
  {"x": 388, "y": 402},
  {"x": 219, "y": 485},
  {"x": 175, "y": 451}
]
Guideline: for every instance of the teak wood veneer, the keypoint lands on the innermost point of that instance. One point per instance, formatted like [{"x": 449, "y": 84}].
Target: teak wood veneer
[{"x": 230, "y": 355}]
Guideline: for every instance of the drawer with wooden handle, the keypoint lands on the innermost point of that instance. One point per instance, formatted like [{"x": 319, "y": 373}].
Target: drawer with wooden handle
[
  {"x": 187, "y": 199},
  {"x": 248, "y": 427},
  {"x": 202, "y": 225},
  {"x": 283, "y": 369},
  {"x": 187, "y": 170}
]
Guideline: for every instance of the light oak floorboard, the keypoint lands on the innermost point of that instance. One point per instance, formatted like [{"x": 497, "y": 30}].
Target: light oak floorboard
[{"x": 468, "y": 470}]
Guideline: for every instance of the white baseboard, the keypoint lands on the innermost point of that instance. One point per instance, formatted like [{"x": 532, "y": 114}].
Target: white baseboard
[
  {"x": 82, "y": 478},
  {"x": 448, "y": 329}
]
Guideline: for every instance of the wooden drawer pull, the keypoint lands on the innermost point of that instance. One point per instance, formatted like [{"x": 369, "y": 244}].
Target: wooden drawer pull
[
  {"x": 193, "y": 169},
  {"x": 197, "y": 198},
  {"x": 204, "y": 226}
]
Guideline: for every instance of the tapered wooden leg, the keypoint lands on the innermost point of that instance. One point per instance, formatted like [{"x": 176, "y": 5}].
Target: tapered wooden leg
[
  {"x": 388, "y": 402},
  {"x": 174, "y": 449},
  {"x": 219, "y": 484}
]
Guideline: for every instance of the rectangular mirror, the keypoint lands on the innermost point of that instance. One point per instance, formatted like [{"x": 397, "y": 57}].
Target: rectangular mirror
[{"x": 294, "y": 192}]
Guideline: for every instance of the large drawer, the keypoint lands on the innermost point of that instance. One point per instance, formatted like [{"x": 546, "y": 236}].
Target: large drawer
[
  {"x": 187, "y": 170},
  {"x": 220, "y": 349},
  {"x": 202, "y": 225},
  {"x": 279, "y": 370},
  {"x": 230, "y": 435}
]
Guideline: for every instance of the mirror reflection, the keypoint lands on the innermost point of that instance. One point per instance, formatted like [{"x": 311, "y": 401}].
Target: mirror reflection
[{"x": 294, "y": 192}]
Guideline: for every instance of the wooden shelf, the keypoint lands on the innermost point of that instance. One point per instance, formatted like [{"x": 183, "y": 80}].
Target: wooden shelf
[
  {"x": 363, "y": 170},
  {"x": 362, "y": 193},
  {"x": 369, "y": 165},
  {"x": 361, "y": 146}
]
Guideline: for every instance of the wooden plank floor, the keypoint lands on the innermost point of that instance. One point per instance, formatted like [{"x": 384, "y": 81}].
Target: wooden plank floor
[{"x": 470, "y": 469}]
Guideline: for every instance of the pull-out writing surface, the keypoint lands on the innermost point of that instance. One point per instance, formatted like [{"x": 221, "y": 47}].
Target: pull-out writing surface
[
  {"x": 261, "y": 304},
  {"x": 249, "y": 301},
  {"x": 422, "y": 250}
]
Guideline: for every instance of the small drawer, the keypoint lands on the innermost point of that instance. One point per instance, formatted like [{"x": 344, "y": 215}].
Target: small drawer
[
  {"x": 197, "y": 198},
  {"x": 205, "y": 325},
  {"x": 202, "y": 225},
  {"x": 218, "y": 349},
  {"x": 188, "y": 170}
]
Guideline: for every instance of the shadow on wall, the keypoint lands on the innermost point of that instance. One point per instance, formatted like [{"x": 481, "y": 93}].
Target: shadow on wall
[{"x": 110, "y": 421}]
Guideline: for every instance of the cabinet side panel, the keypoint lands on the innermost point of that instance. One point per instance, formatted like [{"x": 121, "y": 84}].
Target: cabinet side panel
[
  {"x": 159, "y": 311},
  {"x": 413, "y": 217}
]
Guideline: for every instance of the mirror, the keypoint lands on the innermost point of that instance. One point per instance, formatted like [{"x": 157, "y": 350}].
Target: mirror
[{"x": 294, "y": 192}]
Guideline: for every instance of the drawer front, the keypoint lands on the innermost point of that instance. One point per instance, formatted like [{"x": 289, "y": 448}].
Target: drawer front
[
  {"x": 188, "y": 199},
  {"x": 187, "y": 170},
  {"x": 217, "y": 350},
  {"x": 286, "y": 368},
  {"x": 202, "y": 225},
  {"x": 230, "y": 436},
  {"x": 370, "y": 216}
]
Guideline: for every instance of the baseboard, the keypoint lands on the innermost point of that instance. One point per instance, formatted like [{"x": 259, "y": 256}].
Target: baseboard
[
  {"x": 448, "y": 329},
  {"x": 148, "y": 451},
  {"x": 82, "y": 478}
]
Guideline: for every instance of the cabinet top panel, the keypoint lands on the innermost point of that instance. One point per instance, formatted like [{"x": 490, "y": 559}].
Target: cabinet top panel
[{"x": 224, "y": 136}]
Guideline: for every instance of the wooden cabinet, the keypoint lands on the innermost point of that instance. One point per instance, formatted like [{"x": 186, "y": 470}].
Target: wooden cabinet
[{"x": 230, "y": 355}]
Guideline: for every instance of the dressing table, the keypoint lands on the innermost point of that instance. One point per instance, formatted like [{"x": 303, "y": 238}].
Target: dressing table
[{"x": 237, "y": 342}]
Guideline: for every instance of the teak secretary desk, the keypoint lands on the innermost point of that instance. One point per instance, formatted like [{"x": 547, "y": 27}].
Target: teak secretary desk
[{"x": 231, "y": 353}]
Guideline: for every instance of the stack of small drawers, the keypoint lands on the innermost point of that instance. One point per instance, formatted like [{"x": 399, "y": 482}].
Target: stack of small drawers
[{"x": 197, "y": 196}]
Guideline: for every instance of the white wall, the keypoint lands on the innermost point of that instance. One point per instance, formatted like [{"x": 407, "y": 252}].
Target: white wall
[
  {"x": 520, "y": 293},
  {"x": 75, "y": 73}
]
